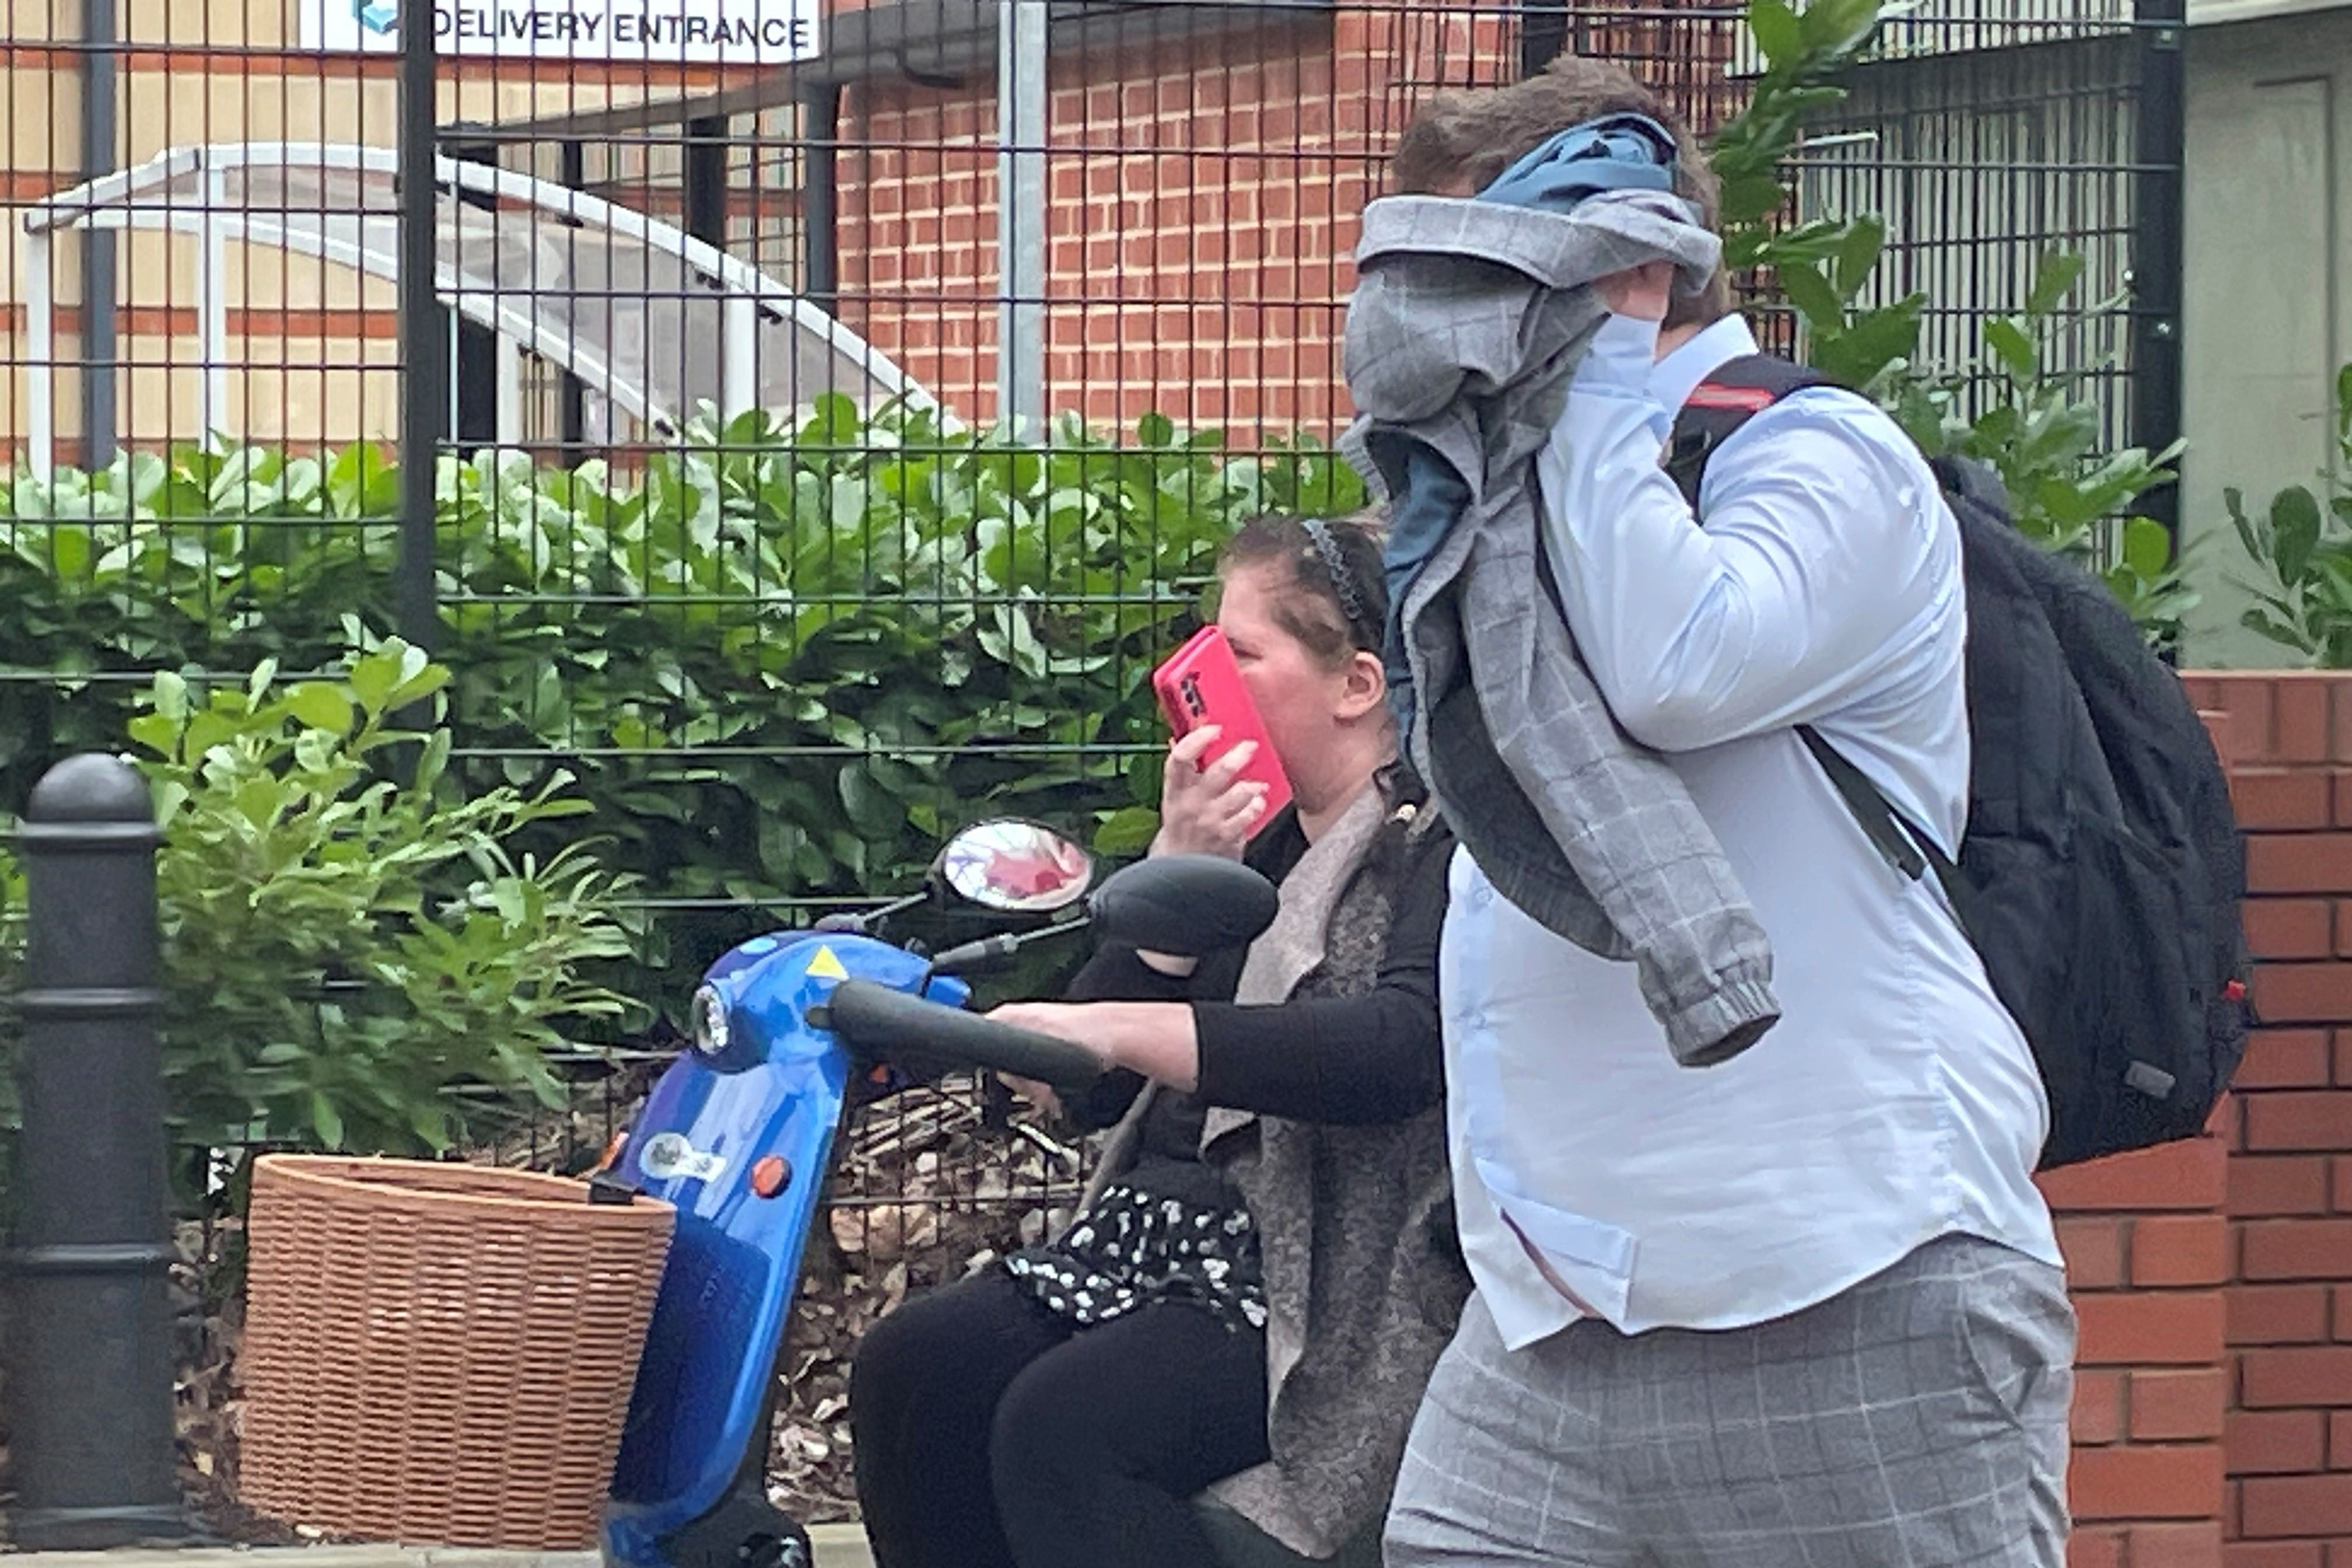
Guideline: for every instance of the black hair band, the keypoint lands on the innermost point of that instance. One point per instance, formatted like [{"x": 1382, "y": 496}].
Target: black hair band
[{"x": 1335, "y": 565}]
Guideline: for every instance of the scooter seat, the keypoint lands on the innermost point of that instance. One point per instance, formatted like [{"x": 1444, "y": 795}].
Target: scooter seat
[{"x": 1238, "y": 1544}]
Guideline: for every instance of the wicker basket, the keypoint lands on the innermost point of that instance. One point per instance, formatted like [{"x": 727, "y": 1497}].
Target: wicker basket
[{"x": 440, "y": 1353}]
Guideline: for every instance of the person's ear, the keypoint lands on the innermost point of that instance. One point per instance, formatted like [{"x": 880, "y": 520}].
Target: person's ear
[{"x": 1364, "y": 685}]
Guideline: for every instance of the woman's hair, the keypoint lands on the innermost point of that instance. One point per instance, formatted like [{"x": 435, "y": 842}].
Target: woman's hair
[{"x": 1334, "y": 595}]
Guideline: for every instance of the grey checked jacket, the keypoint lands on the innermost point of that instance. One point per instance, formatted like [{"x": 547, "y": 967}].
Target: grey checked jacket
[{"x": 1467, "y": 323}]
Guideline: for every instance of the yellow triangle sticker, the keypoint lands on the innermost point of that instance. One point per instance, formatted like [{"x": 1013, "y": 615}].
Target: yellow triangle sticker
[{"x": 826, "y": 966}]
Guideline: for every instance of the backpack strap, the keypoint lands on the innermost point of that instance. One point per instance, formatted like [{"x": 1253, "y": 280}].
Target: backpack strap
[
  {"x": 1717, "y": 408},
  {"x": 1900, "y": 842},
  {"x": 1896, "y": 841}
]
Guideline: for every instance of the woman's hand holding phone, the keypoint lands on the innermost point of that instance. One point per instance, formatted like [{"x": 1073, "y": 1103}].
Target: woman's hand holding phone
[
  {"x": 1211, "y": 810},
  {"x": 1207, "y": 701}
]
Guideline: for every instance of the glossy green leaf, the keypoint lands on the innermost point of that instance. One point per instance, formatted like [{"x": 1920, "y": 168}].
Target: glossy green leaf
[
  {"x": 320, "y": 705},
  {"x": 327, "y": 1121},
  {"x": 2294, "y": 530},
  {"x": 2053, "y": 281},
  {"x": 1858, "y": 252},
  {"x": 1834, "y": 27},
  {"x": 1857, "y": 355},
  {"x": 71, "y": 551},
  {"x": 2146, "y": 547},
  {"x": 1777, "y": 33},
  {"x": 2013, "y": 348},
  {"x": 1811, "y": 293}
]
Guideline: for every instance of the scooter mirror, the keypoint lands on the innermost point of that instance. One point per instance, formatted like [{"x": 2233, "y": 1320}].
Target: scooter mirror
[
  {"x": 1016, "y": 866},
  {"x": 1184, "y": 905}
]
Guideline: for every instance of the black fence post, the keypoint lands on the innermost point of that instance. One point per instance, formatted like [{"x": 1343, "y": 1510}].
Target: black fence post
[
  {"x": 2155, "y": 262},
  {"x": 473, "y": 376},
  {"x": 704, "y": 177},
  {"x": 570, "y": 397},
  {"x": 1543, "y": 34},
  {"x": 423, "y": 337},
  {"x": 90, "y": 1364},
  {"x": 100, "y": 131},
  {"x": 821, "y": 198}
]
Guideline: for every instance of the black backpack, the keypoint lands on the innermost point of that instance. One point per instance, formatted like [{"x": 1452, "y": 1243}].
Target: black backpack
[{"x": 2103, "y": 871}]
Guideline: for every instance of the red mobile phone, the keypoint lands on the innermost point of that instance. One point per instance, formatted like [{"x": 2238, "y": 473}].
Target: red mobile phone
[{"x": 1200, "y": 684}]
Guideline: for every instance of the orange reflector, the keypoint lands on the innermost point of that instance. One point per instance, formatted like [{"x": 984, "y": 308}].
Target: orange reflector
[
  {"x": 770, "y": 1175},
  {"x": 613, "y": 1152}
]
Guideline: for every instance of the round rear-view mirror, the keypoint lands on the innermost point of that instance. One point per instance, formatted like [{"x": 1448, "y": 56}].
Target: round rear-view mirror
[{"x": 1018, "y": 868}]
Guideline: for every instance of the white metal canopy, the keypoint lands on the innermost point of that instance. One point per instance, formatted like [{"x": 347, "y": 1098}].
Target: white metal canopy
[{"x": 648, "y": 317}]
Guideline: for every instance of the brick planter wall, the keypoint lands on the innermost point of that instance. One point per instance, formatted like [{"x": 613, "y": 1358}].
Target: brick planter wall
[
  {"x": 2147, "y": 1252},
  {"x": 2289, "y": 1320}
]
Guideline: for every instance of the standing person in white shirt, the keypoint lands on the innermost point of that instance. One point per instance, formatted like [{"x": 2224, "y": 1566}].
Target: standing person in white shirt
[{"x": 1805, "y": 1307}]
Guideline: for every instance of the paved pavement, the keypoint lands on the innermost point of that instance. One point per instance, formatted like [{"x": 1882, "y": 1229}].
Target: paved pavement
[
  {"x": 840, "y": 1546},
  {"x": 837, "y": 1546}
]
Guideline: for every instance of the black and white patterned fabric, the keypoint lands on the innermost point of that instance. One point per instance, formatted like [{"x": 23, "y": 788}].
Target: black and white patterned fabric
[{"x": 1134, "y": 1248}]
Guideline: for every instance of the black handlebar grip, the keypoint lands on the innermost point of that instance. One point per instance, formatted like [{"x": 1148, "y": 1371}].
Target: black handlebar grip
[{"x": 893, "y": 1026}]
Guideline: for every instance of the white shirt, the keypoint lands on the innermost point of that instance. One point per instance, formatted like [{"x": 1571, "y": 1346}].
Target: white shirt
[{"x": 1895, "y": 1100}]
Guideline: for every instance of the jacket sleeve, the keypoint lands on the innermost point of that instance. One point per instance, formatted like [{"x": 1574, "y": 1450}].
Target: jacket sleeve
[
  {"x": 1827, "y": 566},
  {"x": 1116, "y": 974}
]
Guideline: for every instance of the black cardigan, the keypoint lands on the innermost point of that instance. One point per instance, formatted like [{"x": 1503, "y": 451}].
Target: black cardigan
[{"x": 1373, "y": 1058}]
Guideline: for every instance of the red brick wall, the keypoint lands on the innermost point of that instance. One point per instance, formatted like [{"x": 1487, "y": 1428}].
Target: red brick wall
[
  {"x": 1203, "y": 194},
  {"x": 2147, "y": 1255},
  {"x": 2213, "y": 1407},
  {"x": 2290, "y": 1170},
  {"x": 2213, "y": 1280}
]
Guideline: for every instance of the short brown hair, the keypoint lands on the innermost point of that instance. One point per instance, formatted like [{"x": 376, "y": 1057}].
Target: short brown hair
[{"x": 1464, "y": 139}]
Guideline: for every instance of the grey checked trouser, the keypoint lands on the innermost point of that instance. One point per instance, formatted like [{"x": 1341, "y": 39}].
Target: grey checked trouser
[{"x": 1917, "y": 1420}]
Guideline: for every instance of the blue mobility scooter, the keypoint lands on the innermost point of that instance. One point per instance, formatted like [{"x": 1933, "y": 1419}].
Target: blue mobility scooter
[{"x": 787, "y": 1031}]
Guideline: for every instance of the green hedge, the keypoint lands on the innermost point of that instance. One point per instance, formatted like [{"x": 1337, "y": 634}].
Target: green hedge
[{"x": 780, "y": 663}]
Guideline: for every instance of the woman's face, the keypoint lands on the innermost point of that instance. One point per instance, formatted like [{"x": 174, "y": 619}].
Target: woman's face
[{"x": 1298, "y": 695}]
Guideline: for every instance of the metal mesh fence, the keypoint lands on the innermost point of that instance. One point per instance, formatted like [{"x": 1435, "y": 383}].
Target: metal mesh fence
[
  {"x": 1999, "y": 146},
  {"x": 677, "y": 238}
]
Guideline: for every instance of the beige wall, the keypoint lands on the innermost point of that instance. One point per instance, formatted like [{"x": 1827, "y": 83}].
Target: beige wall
[
  {"x": 304, "y": 392},
  {"x": 2268, "y": 284},
  {"x": 227, "y": 70},
  {"x": 2204, "y": 12}
]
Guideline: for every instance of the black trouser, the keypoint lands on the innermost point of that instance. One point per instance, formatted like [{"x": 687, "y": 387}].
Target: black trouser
[{"x": 990, "y": 1434}]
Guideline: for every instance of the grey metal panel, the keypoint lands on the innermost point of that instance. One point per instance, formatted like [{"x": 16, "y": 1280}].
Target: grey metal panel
[{"x": 1983, "y": 163}]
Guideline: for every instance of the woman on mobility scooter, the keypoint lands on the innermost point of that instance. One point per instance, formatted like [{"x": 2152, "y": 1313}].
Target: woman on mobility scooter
[{"x": 1258, "y": 1285}]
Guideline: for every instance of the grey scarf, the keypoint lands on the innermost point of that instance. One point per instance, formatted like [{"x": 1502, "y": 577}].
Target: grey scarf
[{"x": 1292, "y": 948}]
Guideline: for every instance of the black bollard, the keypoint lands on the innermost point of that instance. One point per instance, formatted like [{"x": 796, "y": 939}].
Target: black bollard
[{"x": 90, "y": 1373}]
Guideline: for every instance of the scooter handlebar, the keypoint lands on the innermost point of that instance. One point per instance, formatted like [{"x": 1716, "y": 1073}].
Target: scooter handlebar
[{"x": 893, "y": 1026}]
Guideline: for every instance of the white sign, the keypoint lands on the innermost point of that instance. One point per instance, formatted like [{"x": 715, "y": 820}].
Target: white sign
[{"x": 674, "y": 31}]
